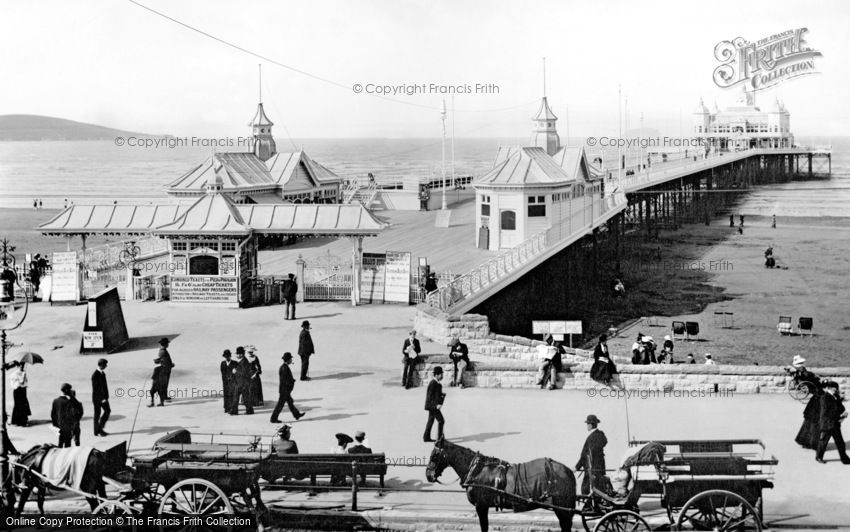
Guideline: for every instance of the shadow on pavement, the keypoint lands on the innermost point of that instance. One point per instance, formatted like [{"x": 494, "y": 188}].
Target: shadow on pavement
[
  {"x": 343, "y": 375},
  {"x": 482, "y": 437},
  {"x": 141, "y": 343}
]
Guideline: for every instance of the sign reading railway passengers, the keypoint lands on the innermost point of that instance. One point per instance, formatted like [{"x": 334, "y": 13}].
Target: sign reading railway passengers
[
  {"x": 373, "y": 277},
  {"x": 204, "y": 289},
  {"x": 397, "y": 277},
  {"x": 66, "y": 277}
]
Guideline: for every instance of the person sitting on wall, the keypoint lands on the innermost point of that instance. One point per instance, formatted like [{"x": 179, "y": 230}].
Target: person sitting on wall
[{"x": 283, "y": 444}]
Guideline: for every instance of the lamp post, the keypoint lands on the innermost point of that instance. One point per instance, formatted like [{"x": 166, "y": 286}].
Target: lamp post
[
  {"x": 10, "y": 319},
  {"x": 443, "y": 165}
]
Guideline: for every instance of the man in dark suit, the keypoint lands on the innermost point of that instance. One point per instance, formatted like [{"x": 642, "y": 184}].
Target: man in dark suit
[
  {"x": 228, "y": 379},
  {"x": 410, "y": 353},
  {"x": 242, "y": 373},
  {"x": 287, "y": 383},
  {"x": 434, "y": 398},
  {"x": 305, "y": 349},
  {"x": 832, "y": 413},
  {"x": 289, "y": 290},
  {"x": 62, "y": 416},
  {"x": 592, "y": 458},
  {"x": 167, "y": 364},
  {"x": 100, "y": 398}
]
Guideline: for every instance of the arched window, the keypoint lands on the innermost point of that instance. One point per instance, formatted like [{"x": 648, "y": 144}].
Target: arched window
[
  {"x": 203, "y": 265},
  {"x": 508, "y": 220}
]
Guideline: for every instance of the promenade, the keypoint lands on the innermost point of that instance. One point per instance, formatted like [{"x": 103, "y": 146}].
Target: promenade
[{"x": 355, "y": 386}]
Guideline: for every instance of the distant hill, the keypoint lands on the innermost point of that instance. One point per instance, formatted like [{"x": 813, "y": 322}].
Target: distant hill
[{"x": 37, "y": 127}]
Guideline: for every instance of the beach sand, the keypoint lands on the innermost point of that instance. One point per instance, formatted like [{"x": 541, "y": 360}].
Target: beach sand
[{"x": 813, "y": 256}]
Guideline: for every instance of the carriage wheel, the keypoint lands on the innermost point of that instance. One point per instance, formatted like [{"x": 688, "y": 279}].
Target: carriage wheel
[
  {"x": 116, "y": 509},
  {"x": 718, "y": 510},
  {"x": 801, "y": 391},
  {"x": 622, "y": 521},
  {"x": 195, "y": 497}
]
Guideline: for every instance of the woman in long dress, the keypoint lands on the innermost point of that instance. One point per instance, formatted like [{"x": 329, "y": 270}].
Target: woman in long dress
[
  {"x": 809, "y": 432},
  {"x": 603, "y": 369},
  {"x": 256, "y": 383},
  {"x": 21, "y": 409}
]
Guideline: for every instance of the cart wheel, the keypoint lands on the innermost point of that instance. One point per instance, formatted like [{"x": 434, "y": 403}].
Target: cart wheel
[
  {"x": 801, "y": 391},
  {"x": 718, "y": 510},
  {"x": 116, "y": 509},
  {"x": 622, "y": 521},
  {"x": 195, "y": 496}
]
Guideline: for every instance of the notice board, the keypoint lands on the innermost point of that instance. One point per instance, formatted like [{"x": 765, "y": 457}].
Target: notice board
[
  {"x": 373, "y": 277},
  {"x": 104, "y": 329},
  {"x": 204, "y": 289},
  {"x": 65, "y": 287},
  {"x": 397, "y": 277}
]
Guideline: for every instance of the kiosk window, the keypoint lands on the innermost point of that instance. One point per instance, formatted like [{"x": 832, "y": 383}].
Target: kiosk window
[{"x": 203, "y": 265}]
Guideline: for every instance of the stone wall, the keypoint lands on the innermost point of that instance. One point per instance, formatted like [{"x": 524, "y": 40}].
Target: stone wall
[{"x": 511, "y": 362}]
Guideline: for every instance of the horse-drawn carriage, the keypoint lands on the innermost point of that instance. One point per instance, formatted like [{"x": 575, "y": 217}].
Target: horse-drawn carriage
[
  {"x": 700, "y": 485},
  {"x": 182, "y": 475}
]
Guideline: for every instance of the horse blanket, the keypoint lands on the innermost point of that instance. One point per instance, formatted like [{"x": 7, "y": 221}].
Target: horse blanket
[
  {"x": 651, "y": 453},
  {"x": 65, "y": 467},
  {"x": 530, "y": 480}
]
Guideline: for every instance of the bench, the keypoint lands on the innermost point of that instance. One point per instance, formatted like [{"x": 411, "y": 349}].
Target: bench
[{"x": 300, "y": 466}]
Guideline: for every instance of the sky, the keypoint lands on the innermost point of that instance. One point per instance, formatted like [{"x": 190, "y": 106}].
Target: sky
[{"x": 114, "y": 63}]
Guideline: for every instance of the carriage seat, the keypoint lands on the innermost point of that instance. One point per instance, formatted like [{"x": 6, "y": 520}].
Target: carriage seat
[{"x": 614, "y": 501}]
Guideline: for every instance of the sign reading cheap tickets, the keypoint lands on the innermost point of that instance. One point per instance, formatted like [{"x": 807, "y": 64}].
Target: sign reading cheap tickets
[{"x": 221, "y": 289}]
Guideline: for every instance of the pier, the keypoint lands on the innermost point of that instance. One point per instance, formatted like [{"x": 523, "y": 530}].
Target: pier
[{"x": 548, "y": 270}]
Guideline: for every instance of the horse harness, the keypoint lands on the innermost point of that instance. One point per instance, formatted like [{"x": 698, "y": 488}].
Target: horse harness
[{"x": 504, "y": 498}]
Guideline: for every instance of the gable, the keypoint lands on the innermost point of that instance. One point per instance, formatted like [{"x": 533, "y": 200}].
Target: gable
[{"x": 300, "y": 179}]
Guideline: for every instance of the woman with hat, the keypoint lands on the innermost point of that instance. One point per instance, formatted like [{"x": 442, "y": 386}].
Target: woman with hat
[
  {"x": 342, "y": 441},
  {"x": 256, "y": 371},
  {"x": 227, "y": 378},
  {"x": 603, "y": 369},
  {"x": 21, "y": 409},
  {"x": 283, "y": 444}
]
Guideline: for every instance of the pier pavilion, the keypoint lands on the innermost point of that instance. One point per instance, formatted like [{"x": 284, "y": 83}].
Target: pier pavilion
[
  {"x": 262, "y": 175},
  {"x": 533, "y": 187},
  {"x": 210, "y": 247},
  {"x": 744, "y": 126}
]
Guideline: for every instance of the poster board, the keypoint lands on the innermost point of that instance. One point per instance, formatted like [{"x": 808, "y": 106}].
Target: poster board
[
  {"x": 372, "y": 286},
  {"x": 397, "y": 277},
  {"x": 104, "y": 329},
  {"x": 65, "y": 287},
  {"x": 221, "y": 289}
]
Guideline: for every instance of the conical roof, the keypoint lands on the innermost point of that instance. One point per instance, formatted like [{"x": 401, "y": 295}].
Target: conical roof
[
  {"x": 260, "y": 118},
  {"x": 545, "y": 112}
]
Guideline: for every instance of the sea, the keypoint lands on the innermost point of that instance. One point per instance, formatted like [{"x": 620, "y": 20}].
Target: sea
[{"x": 103, "y": 172}]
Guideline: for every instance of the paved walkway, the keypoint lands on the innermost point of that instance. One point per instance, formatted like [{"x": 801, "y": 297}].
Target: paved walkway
[{"x": 355, "y": 386}]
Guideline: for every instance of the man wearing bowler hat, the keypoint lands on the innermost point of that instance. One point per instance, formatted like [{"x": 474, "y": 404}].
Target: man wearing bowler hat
[
  {"x": 100, "y": 398},
  {"x": 62, "y": 415},
  {"x": 434, "y": 398},
  {"x": 832, "y": 413},
  {"x": 165, "y": 359},
  {"x": 287, "y": 383},
  {"x": 305, "y": 349},
  {"x": 288, "y": 290},
  {"x": 592, "y": 458},
  {"x": 242, "y": 391}
]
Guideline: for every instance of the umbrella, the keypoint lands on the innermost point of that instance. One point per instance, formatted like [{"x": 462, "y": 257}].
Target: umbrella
[{"x": 28, "y": 357}]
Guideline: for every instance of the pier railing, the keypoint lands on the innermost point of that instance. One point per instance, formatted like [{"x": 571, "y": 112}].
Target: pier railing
[{"x": 575, "y": 225}]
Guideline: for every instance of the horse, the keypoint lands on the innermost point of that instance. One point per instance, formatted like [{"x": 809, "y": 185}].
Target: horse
[
  {"x": 27, "y": 469},
  {"x": 494, "y": 483}
]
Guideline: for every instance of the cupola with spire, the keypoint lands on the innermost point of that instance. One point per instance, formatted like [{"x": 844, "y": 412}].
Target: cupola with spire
[
  {"x": 264, "y": 146},
  {"x": 545, "y": 135}
]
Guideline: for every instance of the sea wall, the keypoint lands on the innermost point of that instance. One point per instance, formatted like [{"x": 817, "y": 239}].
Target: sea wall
[{"x": 511, "y": 362}]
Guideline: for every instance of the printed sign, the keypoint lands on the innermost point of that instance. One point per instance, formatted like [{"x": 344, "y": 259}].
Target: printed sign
[
  {"x": 66, "y": 277},
  {"x": 227, "y": 266},
  {"x": 204, "y": 289},
  {"x": 92, "y": 340},
  {"x": 397, "y": 276},
  {"x": 572, "y": 327},
  {"x": 373, "y": 276},
  {"x": 766, "y": 62}
]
